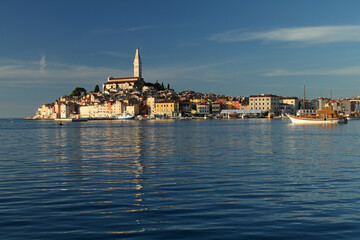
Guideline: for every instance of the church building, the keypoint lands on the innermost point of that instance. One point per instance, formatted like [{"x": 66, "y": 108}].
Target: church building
[{"x": 127, "y": 82}]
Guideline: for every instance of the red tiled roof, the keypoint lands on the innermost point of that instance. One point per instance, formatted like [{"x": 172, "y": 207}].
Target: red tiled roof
[
  {"x": 288, "y": 97},
  {"x": 168, "y": 101},
  {"x": 122, "y": 80}
]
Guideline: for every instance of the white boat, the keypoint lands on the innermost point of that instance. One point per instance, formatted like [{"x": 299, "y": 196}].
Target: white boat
[
  {"x": 141, "y": 118},
  {"x": 124, "y": 116},
  {"x": 320, "y": 117},
  {"x": 353, "y": 116}
]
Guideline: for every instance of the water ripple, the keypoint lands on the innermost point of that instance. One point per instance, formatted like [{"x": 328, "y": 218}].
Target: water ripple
[{"x": 230, "y": 179}]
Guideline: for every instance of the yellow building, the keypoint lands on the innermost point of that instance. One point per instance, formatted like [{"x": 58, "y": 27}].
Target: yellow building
[
  {"x": 195, "y": 100},
  {"x": 168, "y": 108},
  {"x": 229, "y": 104}
]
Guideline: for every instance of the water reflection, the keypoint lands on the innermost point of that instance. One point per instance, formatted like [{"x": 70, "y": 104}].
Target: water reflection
[{"x": 136, "y": 178}]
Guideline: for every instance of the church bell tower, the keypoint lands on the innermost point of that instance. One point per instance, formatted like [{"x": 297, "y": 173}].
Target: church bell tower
[{"x": 137, "y": 64}]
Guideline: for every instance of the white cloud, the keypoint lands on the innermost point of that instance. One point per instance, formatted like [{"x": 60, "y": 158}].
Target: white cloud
[
  {"x": 139, "y": 28},
  {"x": 42, "y": 64},
  {"x": 120, "y": 30},
  {"x": 315, "y": 34},
  {"x": 27, "y": 73},
  {"x": 348, "y": 71}
]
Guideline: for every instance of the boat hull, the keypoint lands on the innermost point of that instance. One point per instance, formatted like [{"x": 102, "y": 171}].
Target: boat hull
[
  {"x": 302, "y": 120},
  {"x": 353, "y": 118},
  {"x": 124, "y": 118}
]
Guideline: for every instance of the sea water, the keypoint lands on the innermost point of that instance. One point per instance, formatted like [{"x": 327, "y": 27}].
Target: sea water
[{"x": 205, "y": 179}]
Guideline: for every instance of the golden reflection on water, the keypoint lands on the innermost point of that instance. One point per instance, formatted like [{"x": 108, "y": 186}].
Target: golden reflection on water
[
  {"x": 126, "y": 173},
  {"x": 117, "y": 151}
]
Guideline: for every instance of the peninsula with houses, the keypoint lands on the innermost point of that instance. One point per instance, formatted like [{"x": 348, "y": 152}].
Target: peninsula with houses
[{"x": 138, "y": 99}]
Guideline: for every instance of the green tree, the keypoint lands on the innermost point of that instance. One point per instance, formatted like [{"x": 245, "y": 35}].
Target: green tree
[
  {"x": 162, "y": 86},
  {"x": 168, "y": 86},
  {"x": 157, "y": 85},
  {"x": 78, "y": 91},
  {"x": 97, "y": 89}
]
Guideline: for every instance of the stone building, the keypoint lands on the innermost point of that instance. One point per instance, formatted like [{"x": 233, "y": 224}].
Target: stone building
[{"x": 126, "y": 83}]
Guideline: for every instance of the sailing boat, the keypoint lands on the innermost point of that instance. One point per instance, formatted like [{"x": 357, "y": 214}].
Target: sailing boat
[{"x": 323, "y": 116}]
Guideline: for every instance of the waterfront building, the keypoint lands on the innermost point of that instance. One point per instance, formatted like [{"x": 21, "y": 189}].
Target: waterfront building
[
  {"x": 57, "y": 109},
  {"x": 289, "y": 104},
  {"x": 64, "y": 111},
  {"x": 265, "y": 102},
  {"x": 203, "y": 109},
  {"x": 232, "y": 104},
  {"x": 45, "y": 111},
  {"x": 355, "y": 107},
  {"x": 86, "y": 111},
  {"x": 117, "y": 108},
  {"x": 321, "y": 103},
  {"x": 215, "y": 108},
  {"x": 133, "y": 109},
  {"x": 309, "y": 104},
  {"x": 169, "y": 108},
  {"x": 335, "y": 105},
  {"x": 96, "y": 110},
  {"x": 222, "y": 100},
  {"x": 228, "y": 104},
  {"x": 185, "y": 107},
  {"x": 150, "y": 102}
]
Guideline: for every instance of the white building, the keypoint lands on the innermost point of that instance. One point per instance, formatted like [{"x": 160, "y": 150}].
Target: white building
[
  {"x": 86, "y": 111},
  {"x": 203, "y": 109},
  {"x": 118, "y": 108},
  {"x": 45, "y": 111},
  {"x": 215, "y": 108},
  {"x": 95, "y": 111},
  {"x": 64, "y": 111},
  {"x": 133, "y": 109},
  {"x": 289, "y": 104},
  {"x": 265, "y": 102}
]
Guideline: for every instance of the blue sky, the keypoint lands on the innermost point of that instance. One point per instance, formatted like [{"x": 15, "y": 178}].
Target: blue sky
[{"x": 237, "y": 48}]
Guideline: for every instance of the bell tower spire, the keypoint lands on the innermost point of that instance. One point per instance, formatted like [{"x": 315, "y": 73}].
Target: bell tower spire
[{"x": 137, "y": 64}]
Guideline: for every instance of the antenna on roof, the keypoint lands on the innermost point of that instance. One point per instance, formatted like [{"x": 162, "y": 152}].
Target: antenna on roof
[{"x": 304, "y": 96}]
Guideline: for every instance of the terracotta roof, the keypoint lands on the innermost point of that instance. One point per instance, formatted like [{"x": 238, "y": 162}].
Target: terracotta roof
[
  {"x": 168, "y": 101},
  {"x": 122, "y": 80},
  {"x": 288, "y": 97}
]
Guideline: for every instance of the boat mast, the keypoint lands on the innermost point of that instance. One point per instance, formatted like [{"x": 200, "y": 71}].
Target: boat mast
[
  {"x": 330, "y": 93},
  {"x": 331, "y": 103},
  {"x": 304, "y": 98}
]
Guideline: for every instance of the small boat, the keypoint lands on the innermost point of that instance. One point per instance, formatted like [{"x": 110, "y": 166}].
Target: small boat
[
  {"x": 141, "y": 118},
  {"x": 353, "y": 116},
  {"x": 124, "y": 116},
  {"x": 320, "y": 117},
  {"x": 60, "y": 123}
]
